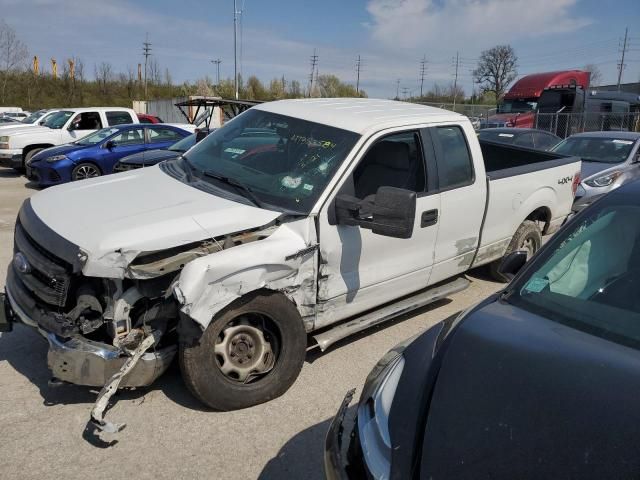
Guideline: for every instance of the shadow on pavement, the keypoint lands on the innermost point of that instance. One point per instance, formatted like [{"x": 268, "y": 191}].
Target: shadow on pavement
[
  {"x": 303, "y": 455},
  {"x": 9, "y": 173}
]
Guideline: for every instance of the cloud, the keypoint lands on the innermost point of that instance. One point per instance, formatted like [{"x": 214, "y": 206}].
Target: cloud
[{"x": 467, "y": 24}]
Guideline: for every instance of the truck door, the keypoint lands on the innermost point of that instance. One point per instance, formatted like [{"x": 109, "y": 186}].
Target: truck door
[{"x": 360, "y": 270}]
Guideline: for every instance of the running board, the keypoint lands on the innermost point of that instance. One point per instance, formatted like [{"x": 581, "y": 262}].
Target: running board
[{"x": 388, "y": 312}]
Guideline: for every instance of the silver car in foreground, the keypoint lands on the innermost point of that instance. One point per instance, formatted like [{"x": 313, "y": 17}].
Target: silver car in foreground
[{"x": 609, "y": 160}]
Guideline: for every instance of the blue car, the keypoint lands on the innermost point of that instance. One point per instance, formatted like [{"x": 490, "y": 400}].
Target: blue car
[{"x": 96, "y": 154}]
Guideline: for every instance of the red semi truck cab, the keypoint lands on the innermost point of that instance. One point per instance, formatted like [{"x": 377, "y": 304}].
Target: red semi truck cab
[{"x": 547, "y": 92}]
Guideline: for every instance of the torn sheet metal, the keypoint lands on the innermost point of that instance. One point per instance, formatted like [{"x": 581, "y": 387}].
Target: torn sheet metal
[{"x": 286, "y": 261}]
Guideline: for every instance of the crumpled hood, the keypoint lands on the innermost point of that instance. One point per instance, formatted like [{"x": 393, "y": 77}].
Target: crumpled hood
[
  {"x": 150, "y": 157},
  {"x": 114, "y": 218}
]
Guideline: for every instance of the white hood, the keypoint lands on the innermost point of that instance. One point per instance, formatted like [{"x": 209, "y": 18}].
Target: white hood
[
  {"x": 113, "y": 218},
  {"x": 18, "y": 129}
]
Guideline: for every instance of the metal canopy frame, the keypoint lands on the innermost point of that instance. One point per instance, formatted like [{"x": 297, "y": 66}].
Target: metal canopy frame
[{"x": 230, "y": 108}]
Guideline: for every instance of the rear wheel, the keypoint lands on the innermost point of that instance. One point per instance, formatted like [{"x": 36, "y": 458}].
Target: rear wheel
[
  {"x": 84, "y": 171},
  {"x": 250, "y": 353},
  {"x": 527, "y": 238}
]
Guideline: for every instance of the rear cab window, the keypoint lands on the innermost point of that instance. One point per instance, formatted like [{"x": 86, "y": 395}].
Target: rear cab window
[
  {"x": 455, "y": 165},
  {"x": 119, "y": 117}
]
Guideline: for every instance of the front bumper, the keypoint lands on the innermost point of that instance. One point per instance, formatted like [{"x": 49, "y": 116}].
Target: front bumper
[
  {"x": 11, "y": 159},
  {"x": 81, "y": 361},
  {"x": 47, "y": 174}
]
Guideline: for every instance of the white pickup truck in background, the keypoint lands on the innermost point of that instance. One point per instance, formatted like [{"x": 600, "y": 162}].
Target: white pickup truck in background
[
  {"x": 18, "y": 145},
  {"x": 296, "y": 224}
]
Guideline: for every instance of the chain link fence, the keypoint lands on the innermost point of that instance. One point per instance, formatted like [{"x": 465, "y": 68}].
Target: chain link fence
[{"x": 565, "y": 124}]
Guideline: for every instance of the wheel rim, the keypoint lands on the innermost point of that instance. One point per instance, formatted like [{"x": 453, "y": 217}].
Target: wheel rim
[
  {"x": 86, "y": 171},
  {"x": 246, "y": 349},
  {"x": 530, "y": 246}
]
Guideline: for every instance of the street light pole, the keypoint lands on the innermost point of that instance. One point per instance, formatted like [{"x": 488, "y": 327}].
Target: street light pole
[
  {"x": 235, "y": 47},
  {"x": 217, "y": 64}
]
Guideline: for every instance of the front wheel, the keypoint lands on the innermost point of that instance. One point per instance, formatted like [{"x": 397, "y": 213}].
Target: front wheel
[
  {"x": 527, "y": 238},
  {"x": 84, "y": 171},
  {"x": 250, "y": 353}
]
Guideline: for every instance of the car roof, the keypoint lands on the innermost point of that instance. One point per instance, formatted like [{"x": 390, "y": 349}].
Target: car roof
[
  {"x": 359, "y": 114},
  {"x": 93, "y": 109},
  {"x": 610, "y": 134},
  {"x": 515, "y": 130}
]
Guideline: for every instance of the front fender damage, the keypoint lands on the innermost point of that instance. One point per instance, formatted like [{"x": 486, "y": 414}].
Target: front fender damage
[{"x": 285, "y": 262}]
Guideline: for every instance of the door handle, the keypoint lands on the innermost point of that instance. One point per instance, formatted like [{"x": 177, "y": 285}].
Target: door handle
[{"x": 428, "y": 218}]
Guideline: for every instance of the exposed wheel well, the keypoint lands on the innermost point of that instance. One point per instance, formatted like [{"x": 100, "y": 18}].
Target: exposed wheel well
[{"x": 542, "y": 215}]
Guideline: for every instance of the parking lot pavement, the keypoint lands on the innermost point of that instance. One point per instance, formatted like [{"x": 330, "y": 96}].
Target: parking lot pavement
[{"x": 169, "y": 434}]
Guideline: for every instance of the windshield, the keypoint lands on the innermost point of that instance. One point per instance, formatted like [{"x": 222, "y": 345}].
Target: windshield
[
  {"x": 591, "y": 280},
  {"x": 285, "y": 162},
  {"x": 57, "y": 120},
  {"x": 518, "y": 106},
  {"x": 33, "y": 118},
  {"x": 97, "y": 137},
  {"x": 596, "y": 149},
  {"x": 183, "y": 145}
]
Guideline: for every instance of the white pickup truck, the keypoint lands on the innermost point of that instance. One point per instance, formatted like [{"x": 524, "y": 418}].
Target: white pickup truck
[
  {"x": 18, "y": 145},
  {"x": 296, "y": 224}
]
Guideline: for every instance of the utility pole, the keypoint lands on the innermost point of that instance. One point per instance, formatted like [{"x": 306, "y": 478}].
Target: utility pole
[
  {"x": 621, "y": 64},
  {"x": 314, "y": 63},
  {"x": 358, "y": 65},
  {"x": 398, "y": 89},
  {"x": 235, "y": 47},
  {"x": 217, "y": 64},
  {"x": 455, "y": 81},
  {"x": 423, "y": 70},
  {"x": 146, "y": 51},
  {"x": 405, "y": 92}
]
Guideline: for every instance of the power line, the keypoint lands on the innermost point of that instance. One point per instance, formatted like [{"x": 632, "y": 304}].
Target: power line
[
  {"x": 314, "y": 63},
  {"x": 146, "y": 51},
  {"x": 423, "y": 69},
  {"x": 621, "y": 65}
]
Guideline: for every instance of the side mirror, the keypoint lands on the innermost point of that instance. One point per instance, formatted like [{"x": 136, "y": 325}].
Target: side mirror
[
  {"x": 391, "y": 213},
  {"x": 512, "y": 264},
  {"x": 109, "y": 144},
  {"x": 201, "y": 134},
  {"x": 41, "y": 122}
]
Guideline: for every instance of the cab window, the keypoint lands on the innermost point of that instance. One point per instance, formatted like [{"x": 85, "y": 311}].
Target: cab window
[
  {"x": 86, "y": 121},
  {"x": 455, "y": 166},
  {"x": 119, "y": 118}
]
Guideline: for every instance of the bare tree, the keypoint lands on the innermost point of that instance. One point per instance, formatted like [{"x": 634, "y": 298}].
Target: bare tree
[
  {"x": 596, "y": 74},
  {"x": 496, "y": 69},
  {"x": 104, "y": 75},
  {"x": 167, "y": 77},
  {"x": 13, "y": 53},
  {"x": 154, "y": 73}
]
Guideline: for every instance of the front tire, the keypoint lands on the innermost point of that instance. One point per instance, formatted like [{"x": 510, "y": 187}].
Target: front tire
[
  {"x": 85, "y": 170},
  {"x": 250, "y": 353},
  {"x": 528, "y": 238},
  {"x": 27, "y": 158}
]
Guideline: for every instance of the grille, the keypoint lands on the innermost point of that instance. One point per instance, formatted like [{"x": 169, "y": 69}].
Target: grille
[
  {"x": 54, "y": 176},
  {"x": 48, "y": 278}
]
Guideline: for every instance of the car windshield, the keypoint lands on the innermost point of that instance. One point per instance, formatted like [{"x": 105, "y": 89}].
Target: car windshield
[
  {"x": 57, "y": 120},
  {"x": 517, "y": 106},
  {"x": 596, "y": 149},
  {"x": 285, "y": 162},
  {"x": 183, "y": 145},
  {"x": 33, "y": 118},
  {"x": 97, "y": 137},
  {"x": 591, "y": 279}
]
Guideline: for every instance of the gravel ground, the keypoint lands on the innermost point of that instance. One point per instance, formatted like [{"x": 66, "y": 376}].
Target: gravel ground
[{"x": 169, "y": 434}]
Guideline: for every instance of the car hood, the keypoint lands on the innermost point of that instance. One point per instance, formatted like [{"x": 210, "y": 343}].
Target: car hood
[
  {"x": 515, "y": 386},
  {"x": 589, "y": 169},
  {"x": 114, "y": 218},
  {"x": 65, "y": 149},
  {"x": 23, "y": 130},
  {"x": 150, "y": 157}
]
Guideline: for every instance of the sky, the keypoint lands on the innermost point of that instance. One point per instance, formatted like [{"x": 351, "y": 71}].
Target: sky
[{"x": 279, "y": 37}]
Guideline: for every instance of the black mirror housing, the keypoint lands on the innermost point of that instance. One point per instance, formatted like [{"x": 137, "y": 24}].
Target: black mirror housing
[
  {"x": 391, "y": 213},
  {"x": 512, "y": 264},
  {"x": 109, "y": 144}
]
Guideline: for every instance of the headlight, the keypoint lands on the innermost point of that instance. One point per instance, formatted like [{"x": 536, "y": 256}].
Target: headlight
[
  {"x": 55, "y": 158},
  {"x": 373, "y": 413},
  {"x": 604, "y": 180},
  {"x": 4, "y": 142}
]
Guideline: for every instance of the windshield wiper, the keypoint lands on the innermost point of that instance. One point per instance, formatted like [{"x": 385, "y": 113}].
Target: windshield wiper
[{"x": 248, "y": 193}]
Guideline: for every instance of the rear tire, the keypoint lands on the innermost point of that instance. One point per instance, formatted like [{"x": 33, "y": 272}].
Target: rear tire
[
  {"x": 250, "y": 353},
  {"x": 85, "y": 170},
  {"x": 528, "y": 237}
]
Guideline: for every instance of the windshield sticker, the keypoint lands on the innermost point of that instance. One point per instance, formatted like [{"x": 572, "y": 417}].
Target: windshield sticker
[
  {"x": 510, "y": 135},
  {"x": 290, "y": 182},
  {"x": 306, "y": 186},
  {"x": 623, "y": 142},
  {"x": 237, "y": 151},
  {"x": 536, "y": 285}
]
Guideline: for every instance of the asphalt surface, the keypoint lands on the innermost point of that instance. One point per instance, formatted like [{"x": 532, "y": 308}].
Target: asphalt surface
[{"x": 169, "y": 434}]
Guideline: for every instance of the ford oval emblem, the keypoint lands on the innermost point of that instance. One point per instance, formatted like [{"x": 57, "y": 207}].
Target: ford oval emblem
[{"x": 21, "y": 263}]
